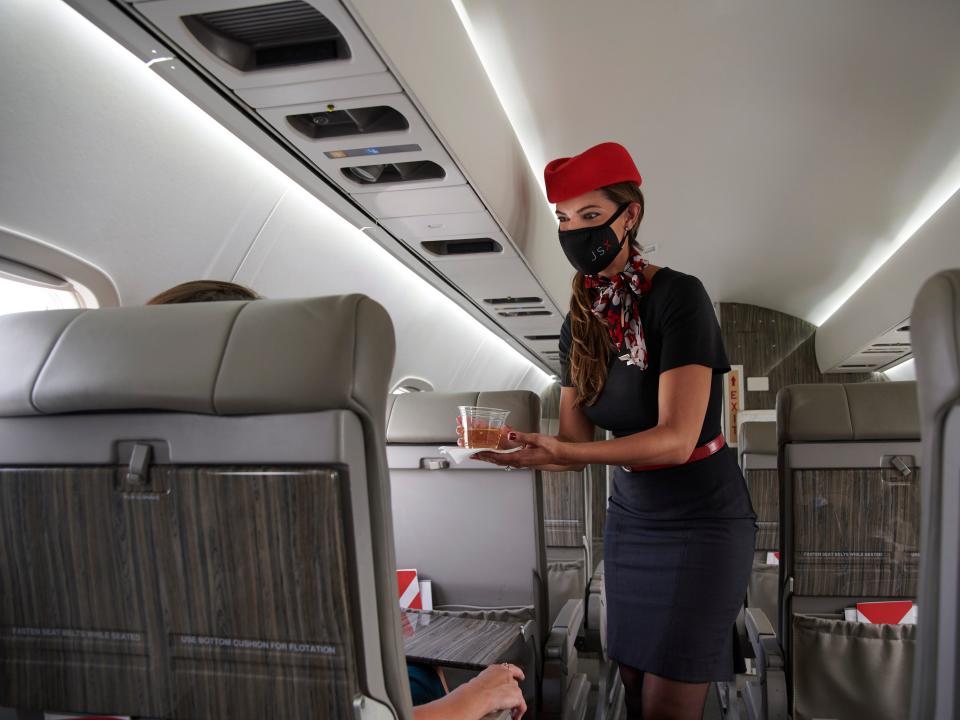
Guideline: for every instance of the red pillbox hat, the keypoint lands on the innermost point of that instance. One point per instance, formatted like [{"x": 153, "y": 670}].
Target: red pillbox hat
[{"x": 604, "y": 164}]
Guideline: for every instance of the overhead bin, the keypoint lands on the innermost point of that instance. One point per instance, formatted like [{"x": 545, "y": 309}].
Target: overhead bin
[{"x": 251, "y": 43}]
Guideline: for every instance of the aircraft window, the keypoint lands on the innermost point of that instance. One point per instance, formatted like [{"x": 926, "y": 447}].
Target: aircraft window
[
  {"x": 355, "y": 121},
  {"x": 18, "y": 295},
  {"x": 269, "y": 36},
  {"x": 395, "y": 172},
  {"x": 411, "y": 385},
  {"x": 462, "y": 247}
]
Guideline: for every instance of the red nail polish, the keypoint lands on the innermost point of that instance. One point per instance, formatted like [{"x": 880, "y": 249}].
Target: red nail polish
[{"x": 511, "y": 436}]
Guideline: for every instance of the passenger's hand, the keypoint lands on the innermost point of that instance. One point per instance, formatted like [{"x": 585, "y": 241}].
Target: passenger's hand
[
  {"x": 496, "y": 688},
  {"x": 538, "y": 450}
]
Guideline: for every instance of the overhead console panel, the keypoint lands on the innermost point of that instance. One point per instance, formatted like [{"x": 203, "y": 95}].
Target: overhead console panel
[
  {"x": 323, "y": 77},
  {"x": 267, "y": 42},
  {"x": 885, "y": 351}
]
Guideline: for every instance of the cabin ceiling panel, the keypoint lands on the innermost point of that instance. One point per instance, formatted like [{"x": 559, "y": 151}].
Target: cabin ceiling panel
[
  {"x": 409, "y": 203},
  {"x": 436, "y": 227},
  {"x": 483, "y": 277},
  {"x": 333, "y": 89},
  {"x": 880, "y": 306},
  {"x": 114, "y": 169},
  {"x": 306, "y": 249},
  {"x": 535, "y": 325},
  {"x": 783, "y": 145}
]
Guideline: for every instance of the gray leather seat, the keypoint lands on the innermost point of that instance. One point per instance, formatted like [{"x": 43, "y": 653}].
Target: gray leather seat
[
  {"x": 935, "y": 334},
  {"x": 476, "y": 531},
  {"x": 849, "y": 515},
  {"x": 196, "y": 513}
]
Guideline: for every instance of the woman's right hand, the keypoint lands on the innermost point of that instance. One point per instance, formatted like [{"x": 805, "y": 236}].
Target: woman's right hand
[
  {"x": 496, "y": 688},
  {"x": 505, "y": 444}
]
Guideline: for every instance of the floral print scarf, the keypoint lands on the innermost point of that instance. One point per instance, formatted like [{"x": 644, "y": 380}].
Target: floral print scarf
[{"x": 617, "y": 303}]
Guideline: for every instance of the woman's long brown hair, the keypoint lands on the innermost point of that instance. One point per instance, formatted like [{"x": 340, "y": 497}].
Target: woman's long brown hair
[{"x": 590, "y": 340}]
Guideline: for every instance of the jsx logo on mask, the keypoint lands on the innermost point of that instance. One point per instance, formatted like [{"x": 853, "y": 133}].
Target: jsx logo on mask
[{"x": 586, "y": 248}]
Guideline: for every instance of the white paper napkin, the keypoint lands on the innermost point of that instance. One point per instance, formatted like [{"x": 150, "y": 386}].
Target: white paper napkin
[{"x": 459, "y": 454}]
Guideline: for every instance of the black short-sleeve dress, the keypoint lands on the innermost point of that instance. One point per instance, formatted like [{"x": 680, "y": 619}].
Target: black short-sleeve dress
[{"x": 678, "y": 544}]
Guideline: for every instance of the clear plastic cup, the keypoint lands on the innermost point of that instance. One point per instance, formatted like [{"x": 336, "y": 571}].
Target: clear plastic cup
[{"x": 482, "y": 426}]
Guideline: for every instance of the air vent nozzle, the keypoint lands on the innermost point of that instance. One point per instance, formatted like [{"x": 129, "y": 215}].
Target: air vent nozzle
[
  {"x": 394, "y": 172},
  {"x": 523, "y": 313},
  {"x": 269, "y": 36},
  {"x": 343, "y": 123},
  {"x": 513, "y": 300},
  {"x": 469, "y": 246}
]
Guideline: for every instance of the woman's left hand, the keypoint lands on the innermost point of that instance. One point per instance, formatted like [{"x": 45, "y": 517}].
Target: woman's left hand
[{"x": 538, "y": 450}]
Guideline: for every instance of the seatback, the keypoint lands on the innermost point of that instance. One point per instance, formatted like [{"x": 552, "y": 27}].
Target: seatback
[
  {"x": 474, "y": 529},
  {"x": 195, "y": 511},
  {"x": 935, "y": 333},
  {"x": 849, "y": 518}
]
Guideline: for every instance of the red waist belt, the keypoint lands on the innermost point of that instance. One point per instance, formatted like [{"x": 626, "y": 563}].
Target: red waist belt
[{"x": 704, "y": 451}]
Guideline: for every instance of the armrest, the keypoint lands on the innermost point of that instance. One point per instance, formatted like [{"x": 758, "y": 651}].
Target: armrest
[
  {"x": 763, "y": 638},
  {"x": 757, "y": 622},
  {"x": 566, "y": 628},
  {"x": 765, "y": 698},
  {"x": 594, "y": 636},
  {"x": 560, "y": 660},
  {"x": 597, "y": 580}
]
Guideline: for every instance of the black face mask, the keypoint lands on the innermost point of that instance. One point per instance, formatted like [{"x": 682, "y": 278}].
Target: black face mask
[{"x": 591, "y": 249}]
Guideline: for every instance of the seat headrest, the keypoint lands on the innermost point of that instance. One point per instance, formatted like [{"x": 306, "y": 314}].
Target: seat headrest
[
  {"x": 430, "y": 417},
  {"x": 848, "y": 412},
  {"x": 217, "y": 358},
  {"x": 758, "y": 438},
  {"x": 935, "y": 333}
]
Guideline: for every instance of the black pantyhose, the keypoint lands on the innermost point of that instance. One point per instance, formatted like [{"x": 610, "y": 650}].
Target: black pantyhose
[{"x": 650, "y": 697}]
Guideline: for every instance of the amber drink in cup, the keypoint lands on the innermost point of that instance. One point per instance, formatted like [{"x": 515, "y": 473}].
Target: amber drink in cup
[{"x": 482, "y": 426}]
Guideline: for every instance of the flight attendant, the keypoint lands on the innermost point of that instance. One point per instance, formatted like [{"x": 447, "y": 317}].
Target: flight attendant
[{"x": 642, "y": 356}]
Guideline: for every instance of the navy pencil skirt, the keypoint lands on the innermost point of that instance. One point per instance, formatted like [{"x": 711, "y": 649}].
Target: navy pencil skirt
[{"x": 674, "y": 588}]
